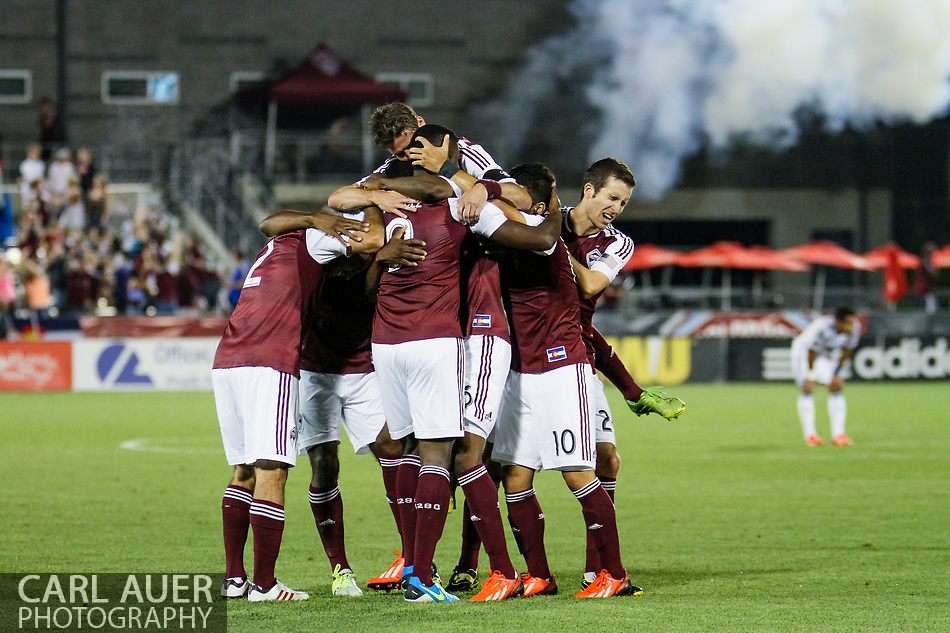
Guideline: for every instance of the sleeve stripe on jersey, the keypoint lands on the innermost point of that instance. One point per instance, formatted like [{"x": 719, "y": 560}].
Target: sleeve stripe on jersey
[
  {"x": 627, "y": 248},
  {"x": 475, "y": 157}
]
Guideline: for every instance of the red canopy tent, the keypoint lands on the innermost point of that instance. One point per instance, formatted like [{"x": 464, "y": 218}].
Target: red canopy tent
[
  {"x": 877, "y": 258},
  {"x": 325, "y": 79},
  {"x": 941, "y": 257},
  {"x": 825, "y": 253},
  {"x": 651, "y": 256},
  {"x": 729, "y": 255}
]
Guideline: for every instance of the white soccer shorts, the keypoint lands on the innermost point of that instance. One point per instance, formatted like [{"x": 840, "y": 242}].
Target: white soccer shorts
[
  {"x": 824, "y": 367},
  {"x": 547, "y": 420},
  {"x": 325, "y": 399},
  {"x": 603, "y": 421},
  {"x": 487, "y": 362},
  {"x": 421, "y": 387},
  {"x": 257, "y": 411}
]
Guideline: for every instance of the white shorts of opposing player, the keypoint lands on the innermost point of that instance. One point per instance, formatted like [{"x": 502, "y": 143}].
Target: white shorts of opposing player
[
  {"x": 326, "y": 399},
  {"x": 257, "y": 411},
  {"x": 547, "y": 420},
  {"x": 421, "y": 384},
  {"x": 824, "y": 368},
  {"x": 487, "y": 362}
]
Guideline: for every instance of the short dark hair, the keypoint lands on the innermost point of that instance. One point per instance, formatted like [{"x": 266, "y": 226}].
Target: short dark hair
[
  {"x": 389, "y": 121},
  {"x": 537, "y": 179},
  {"x": 435, "y": 135},
  {"x": 843, "y": 313},
  {"x": 599, "y": 172}
]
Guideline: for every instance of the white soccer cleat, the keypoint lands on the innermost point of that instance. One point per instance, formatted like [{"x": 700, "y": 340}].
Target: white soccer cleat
[
  {"x": 235, "y": 587},
  {"x": 344, "y": 583},
  {"x": 278, "y": 593}
]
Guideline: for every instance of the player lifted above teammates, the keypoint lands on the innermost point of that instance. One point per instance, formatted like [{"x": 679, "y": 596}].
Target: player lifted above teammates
[
  {"x": 546, "y": 417},
  {"x": 819, "y": 355},
  {"x": 598, "y": 253},
  {"x": 255, "y": 374},
  {"x": 419, "y": 356}
]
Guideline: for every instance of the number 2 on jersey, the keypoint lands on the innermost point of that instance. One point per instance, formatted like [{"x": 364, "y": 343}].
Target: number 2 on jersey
[{"x": 251, "y": 281}]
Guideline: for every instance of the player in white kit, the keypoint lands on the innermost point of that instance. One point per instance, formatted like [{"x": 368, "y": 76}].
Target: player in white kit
[{"x": 820, "y": 355}]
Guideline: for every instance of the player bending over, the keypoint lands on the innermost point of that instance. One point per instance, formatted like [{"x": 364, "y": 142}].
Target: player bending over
[{"x": 819, "y": 355}]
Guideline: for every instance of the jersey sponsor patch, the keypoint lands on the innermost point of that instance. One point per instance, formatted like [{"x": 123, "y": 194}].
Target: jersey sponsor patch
[
  {"x": 481, "y": 320},
  {"x": 556, "y": 354},
  {"x": 593, "y": 256}
]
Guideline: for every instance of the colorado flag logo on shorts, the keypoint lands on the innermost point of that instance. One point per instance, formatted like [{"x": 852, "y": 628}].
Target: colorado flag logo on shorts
[
  {"x": 481, "y": 320},
  {"x": 556, "y": 353}
]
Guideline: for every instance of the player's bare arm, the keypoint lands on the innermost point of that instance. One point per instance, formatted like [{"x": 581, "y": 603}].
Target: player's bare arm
[
  {"x": 375, "y": 236},
  {"x": 355, "y": 197},
  {"x": 433, "y": 158},
  {"x": 589, "y": 282},
  {"x": 396, "y": 252},
  {"x": 421, "y": 186},
  {"x": 837, "y": 381},
  {"x": 344, "y": 229},
  {"x": 809, "y": 385},
  {"x": 538, "y": 238}
]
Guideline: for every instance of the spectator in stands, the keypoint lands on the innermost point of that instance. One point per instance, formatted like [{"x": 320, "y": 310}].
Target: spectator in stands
[
  {"x": 925, "y": 278},
  {"x": 73, "y": 215},
  {"x": 82, "y": 283},
  {"x": 60, "y": 175},
  {"x": 7, "y": 293},
  {"x": 86, "y": 169},
  {"x": 238, "y": 273},
  {"x": 166, "y": 281},
  {"x": 97, "y": 202},
  {"x": 32, "y": 170},
  {"x": 49, "y": 126}
]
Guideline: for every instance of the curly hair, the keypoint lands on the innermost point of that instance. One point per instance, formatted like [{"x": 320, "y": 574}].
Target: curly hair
[{"x": 389, "y": 121}]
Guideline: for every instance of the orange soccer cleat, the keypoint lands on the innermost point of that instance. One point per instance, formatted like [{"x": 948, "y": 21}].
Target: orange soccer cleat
[
  {"x": 842, "y": 439},
  {"x": 389, "y": 579},
  {"x": 497, "y": 587},
  {"x": 606, "y": 586},
  {"x": 814, "y": 440},
  {"x": 534, "y": 586}
]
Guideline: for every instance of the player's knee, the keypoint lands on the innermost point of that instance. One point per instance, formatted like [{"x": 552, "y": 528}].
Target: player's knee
[
  {"x": 516, "y": 479},
  {"x": 833, "y": 388},
  {"x": 608, "y": 461},
  {"x": 244, "y": 474},
  {"x": 270, "y": 468},
  {"x": 577, "y": 479},
  {"x": 387, "y": 448},
  {"x": 324, "y": 458}
]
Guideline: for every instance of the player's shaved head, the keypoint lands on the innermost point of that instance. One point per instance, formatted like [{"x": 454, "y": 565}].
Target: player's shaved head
[
  {"x": 601, "y": 171},
  {"x": 537, "y": 179},
  {"x": 843, "y": 313},
  {"x": 436, "y": 134}
]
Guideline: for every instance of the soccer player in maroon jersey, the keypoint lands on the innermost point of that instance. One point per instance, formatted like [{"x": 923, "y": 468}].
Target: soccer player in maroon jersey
[
  {"x": 419, "y": 357},
  {"x": 598, "y": 253},
  {"x": 546, "y": 418},
  {"x": 337, "y": 380},
  {"x": 254, "y": 376}
]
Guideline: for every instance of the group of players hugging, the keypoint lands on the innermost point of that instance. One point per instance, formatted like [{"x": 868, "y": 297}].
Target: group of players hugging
[{"x": 443, "y": 312}]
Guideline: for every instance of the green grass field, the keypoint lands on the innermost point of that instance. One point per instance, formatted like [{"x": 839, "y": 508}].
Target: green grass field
[{"x": 727, "y": 520}]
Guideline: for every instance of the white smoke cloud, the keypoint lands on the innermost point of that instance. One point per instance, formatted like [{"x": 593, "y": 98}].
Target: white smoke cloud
[{"x": 667, "y": 76}]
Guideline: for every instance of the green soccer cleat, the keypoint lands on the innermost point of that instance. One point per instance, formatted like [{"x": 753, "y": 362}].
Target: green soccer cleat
[
  {"x": 344, "y": 583},
  {"x": 652, "y": 400}
]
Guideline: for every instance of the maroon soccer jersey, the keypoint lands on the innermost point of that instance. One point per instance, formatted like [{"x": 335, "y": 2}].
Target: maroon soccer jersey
[
  {"x": 607, "y": 252},
  {"x": 415, "y": 304},
  {"x": 484, "y": 311},
  {"x": 544, "y": 311},
  {"x": 337, "y": 333},
  {"x": 265, "y": 328}
]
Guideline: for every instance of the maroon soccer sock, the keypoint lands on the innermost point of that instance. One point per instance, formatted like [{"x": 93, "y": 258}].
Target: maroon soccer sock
[
  {"x": 432, "y": 506},
  {"x": 471, "y": 541},
  {"x": 481, "y": 498},
  {"x": 610, "y": 365},
  {"x": 235, "y": 505},
  {"x": 610, "y": 485},
  {"x": 407, "y": 478},
  {"x": 593, "y": 546},
  {"x": 267, "y": 521},
  {"x": 600, "y": 516},
  {"x": 390, "y": 469},
  {"x": 327, "y": 508},
  {"x": 527, "y": 524}
]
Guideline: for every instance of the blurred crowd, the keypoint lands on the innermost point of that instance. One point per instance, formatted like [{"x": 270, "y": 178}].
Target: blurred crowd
[{"x": 67, "y": 252}]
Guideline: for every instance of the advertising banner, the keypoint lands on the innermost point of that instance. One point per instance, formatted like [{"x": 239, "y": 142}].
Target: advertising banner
[
  {"x": 143, "y": 364},
  {"x": 36, "y": 366}
]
